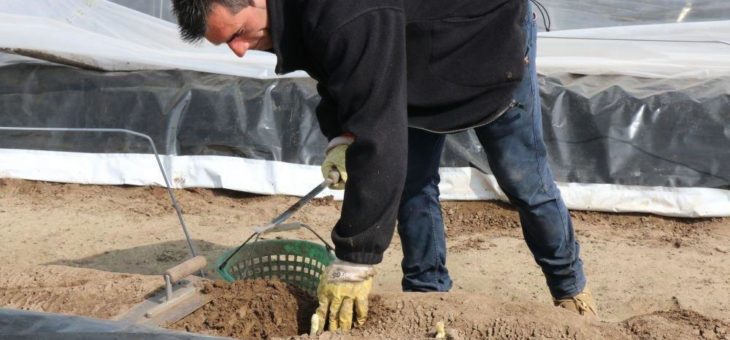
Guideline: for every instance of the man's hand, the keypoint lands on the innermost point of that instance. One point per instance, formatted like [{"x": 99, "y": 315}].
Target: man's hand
[
  {"x": 343, "y": 289},
  {"x": 335, "y": 160}
]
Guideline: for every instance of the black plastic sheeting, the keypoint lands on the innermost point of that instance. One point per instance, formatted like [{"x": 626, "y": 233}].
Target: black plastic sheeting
[
  {"x": 598, "y": 129},
  {"x": 184, "y": 112},
  {"x": 649, "y": 132},
  {"x": 18, "y": 324}
]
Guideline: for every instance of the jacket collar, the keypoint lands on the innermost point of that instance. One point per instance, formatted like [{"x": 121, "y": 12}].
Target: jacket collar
[{"x": 285, "y": 25}]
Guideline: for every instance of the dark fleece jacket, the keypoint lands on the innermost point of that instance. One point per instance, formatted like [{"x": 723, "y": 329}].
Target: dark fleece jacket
[{"x": 385, "y": 65}]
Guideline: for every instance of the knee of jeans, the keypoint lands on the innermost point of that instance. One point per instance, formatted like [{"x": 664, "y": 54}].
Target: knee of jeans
[
  {"x": 519, "y": 182},
  {"x": 531, "y": 196},
  {"x": 421, "y": 193}
]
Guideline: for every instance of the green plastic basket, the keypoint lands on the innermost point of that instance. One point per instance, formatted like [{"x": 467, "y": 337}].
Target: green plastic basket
[{"x": 295, "y": 262}]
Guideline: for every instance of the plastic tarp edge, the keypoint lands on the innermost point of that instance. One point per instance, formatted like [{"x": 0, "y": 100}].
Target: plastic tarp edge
[
  {"x": 102, "y": 38},
  {"x": 272, "y": 177},
  {"x": 21, "y": 324}
]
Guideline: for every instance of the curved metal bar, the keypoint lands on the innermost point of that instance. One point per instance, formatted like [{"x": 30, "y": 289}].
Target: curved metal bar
[
  {"x": 134, "y": 133},
  {"x": 233, "y": 253},
  {"x": 326, "y": 244}
]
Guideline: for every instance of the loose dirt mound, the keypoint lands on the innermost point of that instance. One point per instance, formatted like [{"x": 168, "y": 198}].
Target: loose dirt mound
[
  {"x": 659, "y": 230},
  {"x": 324, "y": 201},
  {"x": 677, "y": 324},
  {"x": 272, "y": 309},
  {"x": 467, "y": 316},
  {"x": 255, "y": 308},
  {"x": 266, "y": 309},
  {"x": 496, "y": 219},
  {"x": 473, "y": 217}
]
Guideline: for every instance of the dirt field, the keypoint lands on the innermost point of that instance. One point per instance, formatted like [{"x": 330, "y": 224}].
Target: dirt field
[{"x": 97, "y": 250}]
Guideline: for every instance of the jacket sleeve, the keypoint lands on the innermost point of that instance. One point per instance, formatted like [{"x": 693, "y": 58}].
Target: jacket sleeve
[
  {"x": 327, "y": 114},
  {"x": 365, "y": 86}
]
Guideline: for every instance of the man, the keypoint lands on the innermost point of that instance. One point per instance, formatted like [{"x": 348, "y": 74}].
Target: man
[{"x": 395, "y": 76}]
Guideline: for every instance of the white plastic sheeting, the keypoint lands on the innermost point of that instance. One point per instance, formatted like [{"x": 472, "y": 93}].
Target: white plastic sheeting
[
  {"x": 688, "y": 50},
  {"x": 103, "y": 35},
  {"x": 270, "y": 177},
  {"x": 564, "y": 14},
  {"x": 574, "y": 14},
  {"x": 157, "y": 8},
  {"x": 235, "y": 173}
]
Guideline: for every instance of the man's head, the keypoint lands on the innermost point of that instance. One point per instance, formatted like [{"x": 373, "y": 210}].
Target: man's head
[{"x": 241, "y": 24}]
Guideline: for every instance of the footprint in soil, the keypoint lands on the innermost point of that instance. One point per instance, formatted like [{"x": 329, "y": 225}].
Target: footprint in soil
[{"x": 171, "y": 255}]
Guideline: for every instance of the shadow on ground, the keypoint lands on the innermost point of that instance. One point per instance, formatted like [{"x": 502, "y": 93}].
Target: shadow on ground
[{"x": 152, "y": 259}]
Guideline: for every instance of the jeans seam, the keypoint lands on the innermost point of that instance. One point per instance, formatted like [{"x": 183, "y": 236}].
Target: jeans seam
[
  {"x": 541, "y": 175},
  {"x": 564, "y": 226},
  {"x": 571, "y": 266},
  {"x": 434, "y": 242}
]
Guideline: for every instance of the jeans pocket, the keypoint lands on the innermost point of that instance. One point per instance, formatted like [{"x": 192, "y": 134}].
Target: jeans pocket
[{"x": 511, "y": 115}]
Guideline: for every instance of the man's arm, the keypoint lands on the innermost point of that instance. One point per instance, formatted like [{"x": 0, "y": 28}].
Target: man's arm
[{"x": 365, "y": 64}]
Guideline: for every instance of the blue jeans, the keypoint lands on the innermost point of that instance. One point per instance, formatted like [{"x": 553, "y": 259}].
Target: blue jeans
[
  {"x": 420, "y": 224},
  {"x": 518, "y": 160}
]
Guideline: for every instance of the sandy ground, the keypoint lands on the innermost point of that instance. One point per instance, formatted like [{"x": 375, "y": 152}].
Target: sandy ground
[{"x": 97, "y": 250}]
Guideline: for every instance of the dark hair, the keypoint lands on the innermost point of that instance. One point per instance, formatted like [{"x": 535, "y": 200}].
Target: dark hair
[{"x": 192, "y": 15}]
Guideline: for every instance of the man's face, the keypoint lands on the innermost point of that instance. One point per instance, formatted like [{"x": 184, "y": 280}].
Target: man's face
[{"x": 243, "y": 31}]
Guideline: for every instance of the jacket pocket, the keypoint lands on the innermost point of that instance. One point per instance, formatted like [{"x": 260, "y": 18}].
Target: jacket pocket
[{"x": 483, "y": 50}]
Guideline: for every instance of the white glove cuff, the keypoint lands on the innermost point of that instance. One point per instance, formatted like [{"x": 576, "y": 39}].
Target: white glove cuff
[
  {"x": 339, "y": 140},
  {"x": 343, "y": 271}
]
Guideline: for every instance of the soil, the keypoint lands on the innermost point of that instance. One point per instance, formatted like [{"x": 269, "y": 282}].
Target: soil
[
  {"x": 479, "y": 317},
  {"x": 251, "y": 308},
  {"x": 71, "y": 290},
  {"x": 98, "y": 250}
]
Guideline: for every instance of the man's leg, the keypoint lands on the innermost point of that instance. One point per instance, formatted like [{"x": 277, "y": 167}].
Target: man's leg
[
  {"x": 420, "y": 224},
  {"x": 517, "y": 158}
]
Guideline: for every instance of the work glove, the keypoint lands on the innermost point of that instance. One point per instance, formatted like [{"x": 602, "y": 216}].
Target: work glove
[
  {"x": 343, "y": 289},
  {"x": 335, "y": 159}
]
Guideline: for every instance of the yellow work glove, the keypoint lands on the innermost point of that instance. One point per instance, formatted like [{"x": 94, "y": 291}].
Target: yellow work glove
[
  {"x": 343, "y": 289},
  {"x": 335, "y": 160}
]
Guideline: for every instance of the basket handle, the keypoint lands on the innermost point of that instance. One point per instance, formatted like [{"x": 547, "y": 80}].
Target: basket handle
[
  {"x": 289, "y": 226},
  {"x": 275, "y": 224}
]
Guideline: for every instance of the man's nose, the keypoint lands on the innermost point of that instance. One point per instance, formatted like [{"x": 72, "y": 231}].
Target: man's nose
[{"x": 238, "y": 47}]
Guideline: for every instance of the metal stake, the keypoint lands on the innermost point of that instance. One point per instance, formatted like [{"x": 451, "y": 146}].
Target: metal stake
[{"x": 157, "y": 157}]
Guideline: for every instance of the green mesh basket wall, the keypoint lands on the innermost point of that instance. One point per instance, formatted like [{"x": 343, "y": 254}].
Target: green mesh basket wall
[{"x": 295, "y": 262}]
